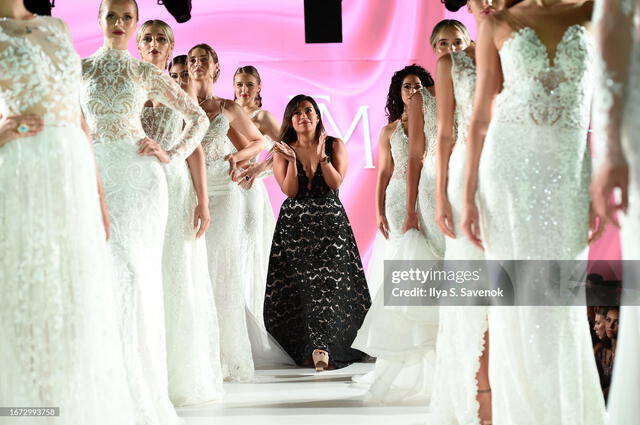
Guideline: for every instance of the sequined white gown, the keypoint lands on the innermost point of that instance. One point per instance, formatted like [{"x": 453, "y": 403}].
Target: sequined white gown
[
  {"x": 193, "y": 340},
  {"x": 403, "y": 340},
  {"x": 533, "y": 203},
  {"x": 115, "y": 88},
  {"x": 461, "y": 331},
  {"x": 260, "y": 223},
  {"x": 61, "y": 344},
  {"x": 617, "y": 100},
  {"x": 227, "y": 244}
]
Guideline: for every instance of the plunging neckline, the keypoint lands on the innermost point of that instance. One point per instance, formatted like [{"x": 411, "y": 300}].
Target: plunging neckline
[
  {"x": 550, "y": 63},
  {"x": 309, "y": 179}
]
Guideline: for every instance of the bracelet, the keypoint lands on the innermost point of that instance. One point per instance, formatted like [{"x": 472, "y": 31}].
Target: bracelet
[{"x": 324, "y": 160}]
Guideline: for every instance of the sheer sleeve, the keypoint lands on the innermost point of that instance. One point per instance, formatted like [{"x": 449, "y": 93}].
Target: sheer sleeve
[
  {"x": 613, "y": 23},
  {"x": 162, "y": 88}
]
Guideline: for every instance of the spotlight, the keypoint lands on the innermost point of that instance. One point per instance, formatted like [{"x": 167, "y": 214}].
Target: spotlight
[
  {"x": 179, "y": 9},
  {"x": 39, "y": 7},
  {"x": 323, "y": 21}
]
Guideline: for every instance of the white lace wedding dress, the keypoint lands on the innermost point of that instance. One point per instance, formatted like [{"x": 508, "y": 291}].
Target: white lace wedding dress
[
  {"x": 461, "y": 331},
  {"x": 115, "y": 88},
  {"x": 193, "y": 340},
  {"x": 403, "y": 339},
  {"x": 617, "y": 103},
  {"x": 227, "y": 247},
  {"x": 61, "y": 345},
  {"x": 260, "y": 224},
  {"x": 534, "y": 203}
]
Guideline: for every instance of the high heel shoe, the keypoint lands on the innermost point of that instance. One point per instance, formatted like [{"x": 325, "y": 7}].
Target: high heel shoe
[{"x": 320, "y": 359}]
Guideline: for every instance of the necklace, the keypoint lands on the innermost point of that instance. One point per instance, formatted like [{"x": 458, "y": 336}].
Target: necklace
[
  {"x": 28, "y": 29},
  {"x": 200, "y": 102}
]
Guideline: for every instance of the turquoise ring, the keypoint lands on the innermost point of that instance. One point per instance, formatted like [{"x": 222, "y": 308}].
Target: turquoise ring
[{"x": 22, "y": 128}]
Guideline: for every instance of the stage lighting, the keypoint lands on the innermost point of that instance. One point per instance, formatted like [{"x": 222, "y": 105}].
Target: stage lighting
[
  {"x": 179, "y": 9},
  {"x": 323, "y": 21},
  {"x": 39, "y": 7}
]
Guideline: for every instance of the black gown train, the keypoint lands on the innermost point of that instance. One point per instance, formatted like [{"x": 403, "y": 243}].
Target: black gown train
[{"x": 316, "y": 294}]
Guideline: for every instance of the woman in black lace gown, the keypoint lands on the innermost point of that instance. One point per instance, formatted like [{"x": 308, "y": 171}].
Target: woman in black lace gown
[{"x": 317, "y": 295}]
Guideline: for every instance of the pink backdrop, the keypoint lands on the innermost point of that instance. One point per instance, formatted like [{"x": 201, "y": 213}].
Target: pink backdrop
[{"x": 350, "y": 80}]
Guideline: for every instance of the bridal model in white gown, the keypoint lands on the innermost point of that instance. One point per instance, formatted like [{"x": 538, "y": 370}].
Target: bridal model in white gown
[
  {"x": 534, "y": 202},
  {"x": 193, "y": 340},
  {"x": 403, "y": 339},
  {"x": 260, "y": 223},
  {"x": 61, "y": 345},
  {"x": 227, "y": 242},
  {"x": 617, "y": 104},
  {"x": 114, "y": 91},
  {"x": 462, "y": 329}
]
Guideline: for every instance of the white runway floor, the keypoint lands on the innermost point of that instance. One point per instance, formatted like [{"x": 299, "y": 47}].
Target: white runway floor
[{"x": 301, "y": 396}]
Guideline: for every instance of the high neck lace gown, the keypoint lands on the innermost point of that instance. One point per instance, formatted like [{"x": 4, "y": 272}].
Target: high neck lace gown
[
  {"x": 461, "y": 329},
  {"x": 114, "y": 90},
  {"x": 61, "y": 344},
  {"x": 618, "y": 101},
  {"x": 317, "y": 294},
  {"x": 193, "y": 341},
  {"x": 534, "y": 203},
  {"x": 403, "y": 341}
]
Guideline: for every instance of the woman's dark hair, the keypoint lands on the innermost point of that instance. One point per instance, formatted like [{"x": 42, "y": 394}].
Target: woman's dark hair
[
  {"x": 395, "y": 105},
  {"x": 178, "y": 60},
  {"x": 454, "y": 5},
  {"x": 602, "y": 311},
  {"x": 212, "y": 53},
  {"x": 251, "y": 70},
  {"x": 287, "y": 133}
]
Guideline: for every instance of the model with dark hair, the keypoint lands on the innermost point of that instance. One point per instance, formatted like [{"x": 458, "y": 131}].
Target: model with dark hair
[
  {"x": 403, "y": 346},
  {"x": 316, "y": 295},
  {"x": 526, "y": 197}
]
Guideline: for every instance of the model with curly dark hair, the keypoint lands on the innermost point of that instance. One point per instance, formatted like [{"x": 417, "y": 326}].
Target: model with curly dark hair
[{"x": 395, "y": 105}]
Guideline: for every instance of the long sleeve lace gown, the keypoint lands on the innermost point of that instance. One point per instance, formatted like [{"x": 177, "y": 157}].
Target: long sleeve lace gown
[
  {"x": 534, "y": 202},
  {"x": 114, "y": 91},
  {"x": 193, "y": 341},
  {"x": 616, "y": 112},
  {"x": 404, "y": 341},
  {"x": 61, "y": 344},
  {"x": 461, "y": 329}
]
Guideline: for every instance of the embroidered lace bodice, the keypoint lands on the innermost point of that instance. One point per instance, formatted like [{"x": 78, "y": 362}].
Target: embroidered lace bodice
[
  {"x": 216, "y": 144},
  {"x": 463, "y": 73},
  {"x": 39, "y": 70},
  {"x": 162, "y": 124},
  {"x": 399, "y": 152},
  {"x": 116, "y": 87},
  {"x": 546, "y": 93},
  {"x": 430, "y": 123}
]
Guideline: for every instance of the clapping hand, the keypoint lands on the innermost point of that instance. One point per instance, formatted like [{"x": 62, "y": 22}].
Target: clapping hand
[{"x": 285, "y": 150}]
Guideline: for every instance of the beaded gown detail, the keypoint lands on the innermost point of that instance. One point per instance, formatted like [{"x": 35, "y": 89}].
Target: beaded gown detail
[
  {"x": 227, "y": 248},
  {"x": 533, "y": 202},
  {"x": 317, "y": 295},
  {"x": 461, "y": 330},
  {"x": 403, "y": 340},
  {"x": 617, "y": 103},
  {"x": 193, "y": 340},
  {"x": 114, "y": 90},
  {"x": 61, "y": 344}
]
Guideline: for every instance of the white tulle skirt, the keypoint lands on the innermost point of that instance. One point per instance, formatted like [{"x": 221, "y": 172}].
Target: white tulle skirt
[
  {"x": 61, "y": 346},
  {"x": 403, "y": 339}
]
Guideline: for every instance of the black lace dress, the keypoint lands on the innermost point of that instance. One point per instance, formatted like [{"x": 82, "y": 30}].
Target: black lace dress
[{"x": 316, "y": 295}]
